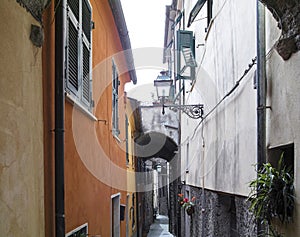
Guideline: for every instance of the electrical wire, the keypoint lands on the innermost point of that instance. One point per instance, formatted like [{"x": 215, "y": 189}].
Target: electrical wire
[{"x": 189, "y": 139}]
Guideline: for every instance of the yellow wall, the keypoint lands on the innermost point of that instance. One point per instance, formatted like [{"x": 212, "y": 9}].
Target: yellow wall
[
  {"x": 21, "y": 126},
  {"x": 131, "y": 182}
]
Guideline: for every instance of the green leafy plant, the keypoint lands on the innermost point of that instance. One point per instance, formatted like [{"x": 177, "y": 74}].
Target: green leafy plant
[{"x": 272, "y": 195}]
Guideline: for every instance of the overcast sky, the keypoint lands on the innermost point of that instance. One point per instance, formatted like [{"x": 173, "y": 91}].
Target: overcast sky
[
  {"x": 145, "y": 21},
  {"x": 146, "y": 24}
]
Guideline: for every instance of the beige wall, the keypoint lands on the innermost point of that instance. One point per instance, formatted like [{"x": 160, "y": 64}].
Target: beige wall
[
  {"x": 21, "y": 126},
  {"x": 283, "y": 120},
  {"x": 131, "y": 177}
]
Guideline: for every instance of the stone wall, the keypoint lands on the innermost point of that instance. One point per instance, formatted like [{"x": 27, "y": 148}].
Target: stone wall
[
  {"x": 163, "y": 201},
  {"x": 286, "y": 12},
  {"x": 217, "y": 214},
  {"x": 148, "y": 205},
  {"x": 174, "y": 217}
]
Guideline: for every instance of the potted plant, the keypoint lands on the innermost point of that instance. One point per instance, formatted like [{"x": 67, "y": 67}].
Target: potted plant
[
  {"x": 187, "y": 204},
  {"x": 272, "y": 195}
]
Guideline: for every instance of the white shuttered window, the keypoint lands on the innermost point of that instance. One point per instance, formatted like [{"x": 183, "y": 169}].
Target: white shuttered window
[
  {"x": 115, "y": 100},
  {"x": 78, "y": 51}
]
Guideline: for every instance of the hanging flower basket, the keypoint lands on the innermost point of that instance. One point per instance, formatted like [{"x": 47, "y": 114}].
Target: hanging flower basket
[
  {"x": 186, "y": 204},
  {"x": 190, "y": 210}
]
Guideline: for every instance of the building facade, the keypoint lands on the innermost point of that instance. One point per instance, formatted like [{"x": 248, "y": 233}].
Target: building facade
[
  {"x": 21, "y": 125},
  {"x": 64, "y": 65},
  {"x": 214, "y": 46},
  {"x": 134, "y": 197}
]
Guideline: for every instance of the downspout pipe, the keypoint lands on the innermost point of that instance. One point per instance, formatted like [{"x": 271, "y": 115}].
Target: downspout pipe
[
  {"x": 261, "y": 92},
  {"x": 60, "y": 35}
]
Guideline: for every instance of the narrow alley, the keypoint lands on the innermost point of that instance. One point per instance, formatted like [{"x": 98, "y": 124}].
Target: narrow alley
[
  {"x": 160, "y": 227},
  {"x": 149, "y": 118}
]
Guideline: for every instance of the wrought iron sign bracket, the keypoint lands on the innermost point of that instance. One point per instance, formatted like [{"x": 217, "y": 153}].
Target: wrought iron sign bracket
[{"x": 193, "y": 111}]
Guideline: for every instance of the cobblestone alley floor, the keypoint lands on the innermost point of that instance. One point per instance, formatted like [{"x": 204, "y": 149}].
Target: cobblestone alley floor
[{"x": 160, "y": 227}]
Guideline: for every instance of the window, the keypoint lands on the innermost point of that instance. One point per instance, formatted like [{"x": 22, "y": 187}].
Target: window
[
  {"x": 115, "y": 214},
  {"x": 197, "y": 8},
  {"x": 78, "y": 51},
  {"x": 127, "y": 137},
  {"x": 287, "y": 151},
  {"x": 186, "y": 55},
  {"x": 187, "y": 157},
  {"x": 79, "y": 232},
  {"x": 133, "y": 216},
  {"x": 115, "y": 100},
  {"x": 209, "y": 11}
]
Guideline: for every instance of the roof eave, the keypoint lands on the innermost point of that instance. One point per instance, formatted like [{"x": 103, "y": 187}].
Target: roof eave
[{"x": 119, "y": 18}]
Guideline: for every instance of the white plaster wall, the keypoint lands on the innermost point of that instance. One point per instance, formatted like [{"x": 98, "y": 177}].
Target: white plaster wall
[
  {"x": 154, "y": 120},
  {"x": 223, "y": 147},
  {"x": 21, "y": 126}
]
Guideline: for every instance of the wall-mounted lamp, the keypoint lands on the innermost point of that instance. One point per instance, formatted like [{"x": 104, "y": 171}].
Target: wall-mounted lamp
[
  {"x": 165, "y": 93},
  {"x": 158, "y": 167}
]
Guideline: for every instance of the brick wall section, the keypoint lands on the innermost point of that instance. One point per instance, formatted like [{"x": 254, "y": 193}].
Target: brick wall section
[{"x": 224, "y": 215}]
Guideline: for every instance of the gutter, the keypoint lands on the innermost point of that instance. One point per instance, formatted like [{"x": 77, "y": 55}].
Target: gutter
[
  {"x": 261, "y": 93},
  {"x": 118, "y": 15},
  {"x": 60, "y": 35}
]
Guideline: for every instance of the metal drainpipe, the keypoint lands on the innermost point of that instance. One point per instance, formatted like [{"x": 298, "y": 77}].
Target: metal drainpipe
[
  {"x": 261, "y": 92},
  {"x": 60, "y": 35}
]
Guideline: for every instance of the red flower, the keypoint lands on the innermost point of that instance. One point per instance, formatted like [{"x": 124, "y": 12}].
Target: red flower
[{"x": 185, "y": 199}]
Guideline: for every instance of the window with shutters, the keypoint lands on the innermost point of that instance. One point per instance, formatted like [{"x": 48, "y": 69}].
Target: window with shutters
[
  {"x": 126, "y": 140},
  {"x": 197, "y": 8},
  {"x": 78, "y": 51},
  {"x": 115, "y": 99},
  {"x": 186, "y": 62}
]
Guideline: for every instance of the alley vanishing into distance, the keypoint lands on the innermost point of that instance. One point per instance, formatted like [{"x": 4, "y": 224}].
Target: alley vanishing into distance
[
  {"x": 103, "y": 137},
  {"x": 160, "y": 227}
]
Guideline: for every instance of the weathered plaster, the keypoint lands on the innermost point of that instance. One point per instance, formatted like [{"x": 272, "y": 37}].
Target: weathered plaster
[
  {"x": 35, "y": 7},
  {"x": 283, "y": 115},
  {"x": 286, "y": 13},
  {"x": 222, "y": 148},
  {"x": 21, "y": 126}
]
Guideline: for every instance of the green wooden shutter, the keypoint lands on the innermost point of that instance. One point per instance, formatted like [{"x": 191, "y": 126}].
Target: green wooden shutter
[
  {"x": 186, "y": 48},
  {"x": 184, "y": 39}
]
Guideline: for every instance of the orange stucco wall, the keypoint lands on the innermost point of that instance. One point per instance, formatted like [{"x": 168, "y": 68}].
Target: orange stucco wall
[{"x": 87, "y": 198}]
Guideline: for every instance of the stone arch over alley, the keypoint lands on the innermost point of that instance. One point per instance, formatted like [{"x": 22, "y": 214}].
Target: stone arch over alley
[{"x": 157, "y": 147}]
